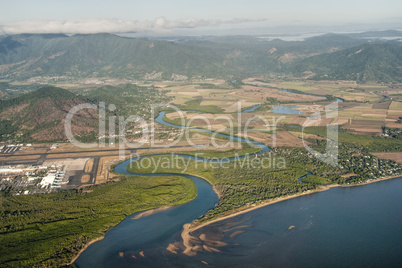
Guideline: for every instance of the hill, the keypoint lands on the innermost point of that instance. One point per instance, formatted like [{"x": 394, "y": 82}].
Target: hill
[
  {"x": 129, "y": 99},
  {"x": 40, "y": 116},
  {"x": 367, "y": 62}
]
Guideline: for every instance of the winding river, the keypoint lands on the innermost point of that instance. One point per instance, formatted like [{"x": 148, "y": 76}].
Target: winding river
[
  {"x": 155, "y": 232},
  {"x": 356, "y": 226}
]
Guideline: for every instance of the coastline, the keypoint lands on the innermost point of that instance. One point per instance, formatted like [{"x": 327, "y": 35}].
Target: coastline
[
  {"x": 190, "y": 227},
  {"x": 140, "y": 215},
  {"x": 85, "y": 247}
]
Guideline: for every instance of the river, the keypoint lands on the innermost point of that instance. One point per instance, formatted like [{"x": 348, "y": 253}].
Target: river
[
  {"x": 356, "y": 226},
  {"x": 155, "y": 232}
]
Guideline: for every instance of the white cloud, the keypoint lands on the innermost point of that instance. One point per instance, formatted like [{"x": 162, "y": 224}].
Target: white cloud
[{"x": 87, "y": 26}]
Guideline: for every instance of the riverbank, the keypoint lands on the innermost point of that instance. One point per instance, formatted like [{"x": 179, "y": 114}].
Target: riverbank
[{"x": 188, "y": 228}]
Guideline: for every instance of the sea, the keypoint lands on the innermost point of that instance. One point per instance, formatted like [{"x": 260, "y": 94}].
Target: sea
[{"x": 357, "y": 226}]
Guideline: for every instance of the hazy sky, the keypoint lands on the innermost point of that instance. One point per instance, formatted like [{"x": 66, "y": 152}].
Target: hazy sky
[{"x": 162, "y": 15}]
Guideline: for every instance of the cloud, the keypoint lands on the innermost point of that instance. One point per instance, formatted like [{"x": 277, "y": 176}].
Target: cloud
[{"x": 87, "y": 26}]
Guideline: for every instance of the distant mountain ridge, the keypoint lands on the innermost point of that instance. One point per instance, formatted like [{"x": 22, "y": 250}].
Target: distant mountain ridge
[
  {"x": 105, "y": 55},
  {"x": 367, "y": 62}
]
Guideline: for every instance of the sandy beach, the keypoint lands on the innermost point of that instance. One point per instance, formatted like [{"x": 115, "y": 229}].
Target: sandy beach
[
  {"x": 140, "y": 215},
  {"x": 188, "y": 228},
  {"x": 150, "y": 212},
  {"x": 84, "y": 248}
]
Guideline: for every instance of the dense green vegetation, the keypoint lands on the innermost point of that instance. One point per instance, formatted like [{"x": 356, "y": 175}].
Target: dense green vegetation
[
  {"x": 395, "y": 133},
  {"x": 128, "y": 99},
  {"x": 53, "y": 93},
  {"x": 50, "y": 229},
  {"x": 249, "y": 180},
  {"x": 6, "y": 128}
]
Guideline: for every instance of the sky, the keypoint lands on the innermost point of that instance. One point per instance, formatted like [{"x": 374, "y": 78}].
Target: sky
[{"x": 167, "y": 16}]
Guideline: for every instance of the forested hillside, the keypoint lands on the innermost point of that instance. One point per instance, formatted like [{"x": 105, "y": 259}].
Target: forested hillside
[{"x": 330, "y": 56}]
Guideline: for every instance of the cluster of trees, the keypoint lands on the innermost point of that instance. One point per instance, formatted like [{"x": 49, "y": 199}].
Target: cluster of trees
[
  {"x": 395, "y": 133},
  {"x": 43, "y": 111},
  {"x": 48, "y": 230},
  {"x": 243, "y": 186},
  {"x": 128, "y": 99}
]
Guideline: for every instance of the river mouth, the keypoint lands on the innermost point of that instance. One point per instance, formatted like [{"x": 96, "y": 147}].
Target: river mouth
[
  {"x": 287, "y": 234},
  {"x": 151, "y": 235}
]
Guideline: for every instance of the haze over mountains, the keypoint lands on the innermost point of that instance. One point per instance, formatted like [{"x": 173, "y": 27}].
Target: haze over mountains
[{"x": 362, "y": 57}]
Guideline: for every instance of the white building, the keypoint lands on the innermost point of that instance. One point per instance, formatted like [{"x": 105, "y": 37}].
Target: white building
[
  {"x": 5, "y": 170},
  {"x": 48, "y": 180}
]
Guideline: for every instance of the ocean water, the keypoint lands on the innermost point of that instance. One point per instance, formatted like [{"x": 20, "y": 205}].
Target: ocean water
[
  {"x": 151, "y": 234},
  {"x": 342, "y": 227}
]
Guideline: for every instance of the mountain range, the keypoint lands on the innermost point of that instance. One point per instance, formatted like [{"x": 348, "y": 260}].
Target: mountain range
[{"x": 330, "y": 56}]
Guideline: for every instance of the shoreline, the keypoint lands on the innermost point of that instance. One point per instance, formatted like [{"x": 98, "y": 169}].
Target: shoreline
[
  {"x": 147, "y": 213},
  {"x": 190, "y": 227},
  {"x": 142, "y": 214},
  {"x": 85, "y": 247}
]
